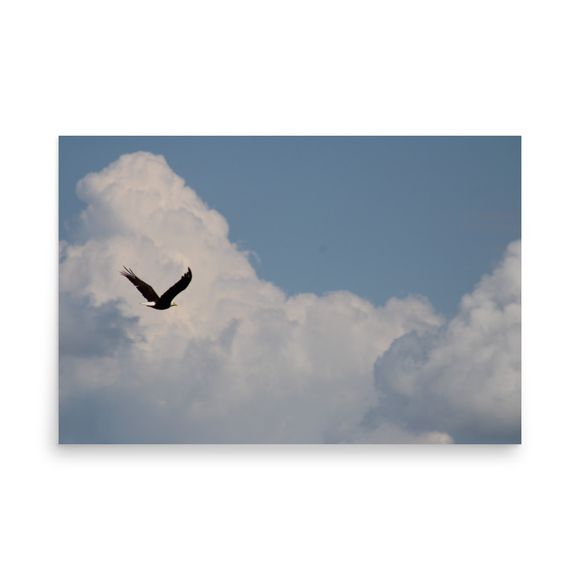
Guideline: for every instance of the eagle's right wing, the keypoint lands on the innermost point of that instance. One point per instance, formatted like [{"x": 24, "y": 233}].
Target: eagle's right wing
[{"x": 178, "y": 287}]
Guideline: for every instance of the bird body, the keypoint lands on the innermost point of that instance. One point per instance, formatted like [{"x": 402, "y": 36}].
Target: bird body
[{"x": 164, "y": 301}]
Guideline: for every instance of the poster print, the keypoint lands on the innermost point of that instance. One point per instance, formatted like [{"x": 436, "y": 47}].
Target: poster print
[{"x": 289, "y": 290}]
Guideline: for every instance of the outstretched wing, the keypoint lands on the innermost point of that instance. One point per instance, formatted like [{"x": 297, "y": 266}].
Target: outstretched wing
[
  {"x": 178, "y": 287},
  {"x": 143, "y": 287}
]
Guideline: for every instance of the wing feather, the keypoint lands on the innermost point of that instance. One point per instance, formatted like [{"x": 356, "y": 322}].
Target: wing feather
[
  {"x": 178, "y": 287},
  {"x": 148, "y": 293}
]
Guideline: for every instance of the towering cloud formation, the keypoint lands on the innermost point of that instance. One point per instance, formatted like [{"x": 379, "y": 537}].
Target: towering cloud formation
[
  {"x": 240, "y": 361},
  {"x": 463, "y": 378}
]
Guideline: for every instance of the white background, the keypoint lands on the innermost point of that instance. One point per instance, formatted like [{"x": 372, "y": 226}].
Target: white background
[{"x": 394, "y": 68}]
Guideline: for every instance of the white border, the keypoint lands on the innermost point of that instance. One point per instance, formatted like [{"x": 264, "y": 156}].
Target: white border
[{"x": 294, "y": 68}]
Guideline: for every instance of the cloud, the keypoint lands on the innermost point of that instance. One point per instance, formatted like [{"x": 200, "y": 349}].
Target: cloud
[
  {"x": 239, "y": 361},
  {"x": 464, "y": 377}
]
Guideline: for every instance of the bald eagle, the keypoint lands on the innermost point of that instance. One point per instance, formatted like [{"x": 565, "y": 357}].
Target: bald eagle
[{"x": 164, "y": 301}]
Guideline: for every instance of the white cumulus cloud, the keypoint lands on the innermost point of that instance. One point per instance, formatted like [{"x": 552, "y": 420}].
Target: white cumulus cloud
[
  {"x": 240, "y": 361},
  {"x": 463, "y": 378}
]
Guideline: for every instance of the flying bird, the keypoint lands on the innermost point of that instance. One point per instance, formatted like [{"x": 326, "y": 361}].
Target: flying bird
[{"x": 164, "y": 301}]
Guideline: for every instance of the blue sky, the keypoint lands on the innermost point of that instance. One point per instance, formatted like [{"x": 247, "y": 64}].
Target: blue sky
[{"x": 378, "y": 216}]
